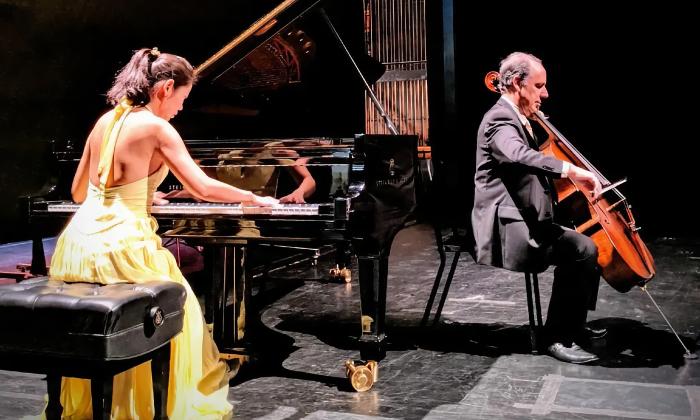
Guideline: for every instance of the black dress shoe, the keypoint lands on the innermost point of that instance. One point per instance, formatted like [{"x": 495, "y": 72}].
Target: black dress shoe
[
  {"x": 595, "y": 333},
  {"x": 573, "y": 354}
]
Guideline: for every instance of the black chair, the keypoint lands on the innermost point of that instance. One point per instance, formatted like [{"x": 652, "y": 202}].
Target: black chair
[
  {"x": 457, "y": 243},
  {"x": 90, "y": 331}
]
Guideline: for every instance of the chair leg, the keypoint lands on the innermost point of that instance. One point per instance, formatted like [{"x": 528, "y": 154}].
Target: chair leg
[
  {"x": 160, "y": 372},
  {"x": 533, "y": 310},
  {"x": 438, "y": 276},
  {"x": 446, "y": 289},
  {"x": 538, "y": 307}
]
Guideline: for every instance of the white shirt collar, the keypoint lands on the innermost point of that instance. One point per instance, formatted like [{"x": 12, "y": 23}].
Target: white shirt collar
[{"x": 521, "y": 117}]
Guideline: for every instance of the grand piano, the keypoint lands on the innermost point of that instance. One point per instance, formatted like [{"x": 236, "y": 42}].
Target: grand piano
[{"x": 365, "y": 184}]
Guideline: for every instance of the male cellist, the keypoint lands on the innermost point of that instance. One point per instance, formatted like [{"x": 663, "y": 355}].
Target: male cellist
[{"x": 512, "y": 216}]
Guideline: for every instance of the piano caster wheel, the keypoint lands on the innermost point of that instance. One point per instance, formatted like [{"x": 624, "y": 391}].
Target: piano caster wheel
[
  {"x": 338, "y": 273},
  {"x": 362, "y": 375}
]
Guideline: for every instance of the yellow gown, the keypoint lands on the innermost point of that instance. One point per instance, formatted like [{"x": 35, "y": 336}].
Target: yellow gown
[{"x": 112, "y": 239}]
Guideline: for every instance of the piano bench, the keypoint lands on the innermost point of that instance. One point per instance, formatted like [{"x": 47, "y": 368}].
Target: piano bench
[{"x": 90, "y": 331}]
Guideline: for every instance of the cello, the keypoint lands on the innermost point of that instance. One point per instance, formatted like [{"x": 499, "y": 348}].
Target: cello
[{"x": 624, "y": 259}]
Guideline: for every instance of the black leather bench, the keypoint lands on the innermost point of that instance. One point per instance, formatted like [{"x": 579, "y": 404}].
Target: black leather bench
[{"x": 90, "y": 331}]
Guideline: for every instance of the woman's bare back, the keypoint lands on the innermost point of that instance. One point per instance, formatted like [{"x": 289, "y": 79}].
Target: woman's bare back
[{"x": 135, "y": 153}]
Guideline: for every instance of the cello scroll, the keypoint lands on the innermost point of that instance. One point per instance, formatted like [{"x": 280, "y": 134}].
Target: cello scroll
[{"x": 491, "y": 81}]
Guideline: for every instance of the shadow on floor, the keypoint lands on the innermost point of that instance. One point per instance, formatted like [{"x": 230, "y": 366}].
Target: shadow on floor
[
  {"x": 632, "y": 344},
  {"x": 628, "y": 344}
]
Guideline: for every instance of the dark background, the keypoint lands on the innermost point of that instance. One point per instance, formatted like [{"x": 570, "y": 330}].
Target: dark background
[{"x": 621, "y": 88}]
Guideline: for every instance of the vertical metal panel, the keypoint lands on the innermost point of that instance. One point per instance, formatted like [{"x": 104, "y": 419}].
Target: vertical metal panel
[{"x": 396, "y": 36}]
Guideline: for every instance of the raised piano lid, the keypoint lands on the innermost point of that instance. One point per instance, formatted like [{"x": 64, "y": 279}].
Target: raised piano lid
[
  {"x": 263, "y": 30},
  {"x": 285, "y": 76}
]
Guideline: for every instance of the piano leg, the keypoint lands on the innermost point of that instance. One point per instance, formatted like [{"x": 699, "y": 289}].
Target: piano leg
[
  {"x": 373, "y": 272},
  {"x": 230, "y": 297},
  {"x": 342, "y": 256}
]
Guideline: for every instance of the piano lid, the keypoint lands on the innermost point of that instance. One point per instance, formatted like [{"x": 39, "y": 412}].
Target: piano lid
[
  {"x": 283, "y": 76},
  {"x": 263, "y": 30}
]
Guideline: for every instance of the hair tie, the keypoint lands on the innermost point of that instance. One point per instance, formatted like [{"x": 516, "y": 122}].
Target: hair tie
[{"x": 154, "y": 53}]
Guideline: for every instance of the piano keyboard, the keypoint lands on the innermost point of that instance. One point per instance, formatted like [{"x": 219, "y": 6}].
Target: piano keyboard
[{"x": 223, "y": 209}]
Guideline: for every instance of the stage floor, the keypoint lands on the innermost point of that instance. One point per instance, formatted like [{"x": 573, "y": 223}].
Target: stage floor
[{"x": 475, "y": 363}]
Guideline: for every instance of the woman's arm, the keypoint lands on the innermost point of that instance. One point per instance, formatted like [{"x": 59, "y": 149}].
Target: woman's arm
[
  {"x": 307, "y": 184},
  {"x": 82, "y": 174},
  {"x": 193, "y": 178}
]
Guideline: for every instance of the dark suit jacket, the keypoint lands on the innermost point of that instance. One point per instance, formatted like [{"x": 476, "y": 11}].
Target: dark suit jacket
[{"x": 512, "y": 214}]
